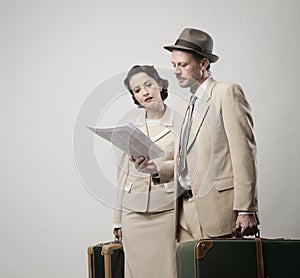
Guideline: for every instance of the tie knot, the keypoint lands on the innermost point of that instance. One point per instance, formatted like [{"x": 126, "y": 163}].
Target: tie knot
[{"x": 193, "y": 99}]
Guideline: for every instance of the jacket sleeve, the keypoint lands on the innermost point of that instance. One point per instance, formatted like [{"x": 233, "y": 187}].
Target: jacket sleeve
[
  {"x": 238, "y": 124},
  {"x": 167, "y": 171},
  {"x": 122, "y": 173}
]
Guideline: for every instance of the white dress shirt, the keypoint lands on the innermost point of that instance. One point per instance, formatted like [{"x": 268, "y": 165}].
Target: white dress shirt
[{"x": 184, "y": 180}]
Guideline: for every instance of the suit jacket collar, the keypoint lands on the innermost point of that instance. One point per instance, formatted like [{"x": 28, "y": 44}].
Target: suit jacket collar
[
  {"x": 166, "y": 120},
  {"x": 200, "y": 111}
]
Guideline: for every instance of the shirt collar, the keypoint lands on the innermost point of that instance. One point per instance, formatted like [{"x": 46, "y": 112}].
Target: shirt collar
[
  {"x": 166, "y": 120},
  {"x": 200, "y": 91}
]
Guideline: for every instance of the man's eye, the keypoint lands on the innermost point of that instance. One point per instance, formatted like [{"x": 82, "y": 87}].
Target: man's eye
[
  {"x": 148, "y": 85},
  {"x": 136, "y": 91}
]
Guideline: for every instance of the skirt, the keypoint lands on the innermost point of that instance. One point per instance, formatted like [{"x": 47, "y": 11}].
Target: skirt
[{"x": 149, "y": 244}]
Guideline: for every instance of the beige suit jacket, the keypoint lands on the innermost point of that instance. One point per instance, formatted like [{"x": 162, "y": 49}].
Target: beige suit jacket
[
  {"x": 222, "y": 158},
  {"x": 137, "y": 192}
]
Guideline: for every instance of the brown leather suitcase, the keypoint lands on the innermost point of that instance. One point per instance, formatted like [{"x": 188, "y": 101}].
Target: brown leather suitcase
[{"x": 106, "y": 260}]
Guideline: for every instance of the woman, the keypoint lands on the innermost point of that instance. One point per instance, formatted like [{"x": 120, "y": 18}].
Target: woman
[{"x": 144, "y": 218}]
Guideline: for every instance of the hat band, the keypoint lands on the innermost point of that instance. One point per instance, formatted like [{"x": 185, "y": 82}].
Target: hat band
[{"x": 191, "y": 45}]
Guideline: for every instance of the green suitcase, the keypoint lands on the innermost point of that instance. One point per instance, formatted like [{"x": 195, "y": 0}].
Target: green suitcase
[
  {"x": 106, "y": 260},
  {"x": 236, "y": 258}
]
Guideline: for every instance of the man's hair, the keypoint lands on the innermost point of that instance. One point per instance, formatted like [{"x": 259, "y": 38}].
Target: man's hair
[
  {"x": 152, "y": 72},
  {"x": 199, "y": 57}
]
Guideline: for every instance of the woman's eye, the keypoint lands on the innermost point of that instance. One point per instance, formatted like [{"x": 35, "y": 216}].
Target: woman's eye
[
  {"x": 148, "y": 85},
  {"x": 136, "y": 91}
]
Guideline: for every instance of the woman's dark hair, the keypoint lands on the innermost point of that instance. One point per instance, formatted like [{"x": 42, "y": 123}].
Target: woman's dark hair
[{"x": 152, "y": 72}]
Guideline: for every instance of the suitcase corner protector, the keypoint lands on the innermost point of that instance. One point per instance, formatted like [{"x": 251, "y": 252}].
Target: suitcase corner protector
[
  {"x": 202, "y": 247},
  {"x": 108, "y": 249},
  {"x": 90, "y": 250}
]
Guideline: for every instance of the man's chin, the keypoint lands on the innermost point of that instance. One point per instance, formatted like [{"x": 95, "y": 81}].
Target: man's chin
[{"x": 183, "y": 84}]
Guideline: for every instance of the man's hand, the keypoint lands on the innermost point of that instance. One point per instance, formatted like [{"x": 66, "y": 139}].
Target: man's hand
[
  {"x": 248, "y": 223},
  {"x": 118, "y": 233},
  {"x": 144, "y": 165}
]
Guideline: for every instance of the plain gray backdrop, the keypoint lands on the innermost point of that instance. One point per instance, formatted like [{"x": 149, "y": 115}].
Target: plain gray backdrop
[{"x": 55, "y": 53}]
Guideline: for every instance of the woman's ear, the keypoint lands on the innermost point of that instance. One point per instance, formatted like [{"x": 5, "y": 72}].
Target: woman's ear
[
  {"x": 134, "y": 100},
  {"x": 160, "y": 86}
]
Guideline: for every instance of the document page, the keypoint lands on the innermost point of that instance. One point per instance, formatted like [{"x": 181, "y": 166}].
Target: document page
[{"x": 130, "y": 139}]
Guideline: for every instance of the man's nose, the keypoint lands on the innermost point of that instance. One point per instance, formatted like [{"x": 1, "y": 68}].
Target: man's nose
[{"x": 177, "y": 70}]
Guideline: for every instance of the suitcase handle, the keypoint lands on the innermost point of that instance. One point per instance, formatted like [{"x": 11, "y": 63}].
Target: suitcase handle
[{"x": 237, "y": 233}]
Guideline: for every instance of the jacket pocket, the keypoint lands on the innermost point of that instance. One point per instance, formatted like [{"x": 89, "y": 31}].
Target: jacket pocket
[
  {"x": 128, "y": 187},
  {"x": 169, "y": 187},
  {"x": 224, "y": 184}
]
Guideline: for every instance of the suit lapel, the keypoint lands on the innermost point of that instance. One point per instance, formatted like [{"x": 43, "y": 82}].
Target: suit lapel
[
  {"x": 200, "y": 112},
  {"x": 164, "y": 132},
  {"x": 160, "y": 130}
]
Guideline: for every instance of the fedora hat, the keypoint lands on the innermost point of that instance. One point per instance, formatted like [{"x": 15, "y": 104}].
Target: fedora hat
[{"x": 197, "y": 41}]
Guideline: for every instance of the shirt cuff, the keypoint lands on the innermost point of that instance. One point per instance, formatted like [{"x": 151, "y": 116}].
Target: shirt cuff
[
  {"x": 156, "y": 178},
  {"x": 246, "y": 212},
  {"x": 117, "y": 226}
]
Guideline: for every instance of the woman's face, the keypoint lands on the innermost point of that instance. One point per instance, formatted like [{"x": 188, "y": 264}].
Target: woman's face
[{"x": 145, "y": 90}]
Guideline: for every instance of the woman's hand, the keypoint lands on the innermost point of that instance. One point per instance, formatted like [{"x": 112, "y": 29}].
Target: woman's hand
[
  {"x": 144, "y": 165},
  {"x": 118, "y": 233}
]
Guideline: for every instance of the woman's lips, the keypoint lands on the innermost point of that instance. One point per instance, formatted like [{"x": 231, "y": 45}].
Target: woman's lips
[{"x": 148, "y": 99}]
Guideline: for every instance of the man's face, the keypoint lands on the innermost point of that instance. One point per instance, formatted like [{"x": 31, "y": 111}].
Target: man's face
[{"x": 186, "y": 68}]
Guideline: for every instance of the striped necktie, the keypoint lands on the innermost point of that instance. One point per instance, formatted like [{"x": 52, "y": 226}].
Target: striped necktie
[{"x": 182, "y": 167}]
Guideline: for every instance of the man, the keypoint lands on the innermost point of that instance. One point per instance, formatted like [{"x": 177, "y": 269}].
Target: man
[{"x": 217, "y": 149}]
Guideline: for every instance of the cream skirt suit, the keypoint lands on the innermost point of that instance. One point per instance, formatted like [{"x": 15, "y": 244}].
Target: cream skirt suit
[{"x": 145, "y": 209}]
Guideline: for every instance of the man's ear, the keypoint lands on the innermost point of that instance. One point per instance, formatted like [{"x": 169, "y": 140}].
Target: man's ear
[{"x": 204, "y": 64}]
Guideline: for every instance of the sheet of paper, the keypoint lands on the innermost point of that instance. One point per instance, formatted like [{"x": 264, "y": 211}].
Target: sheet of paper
[{"x": 130, "y": 139}]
